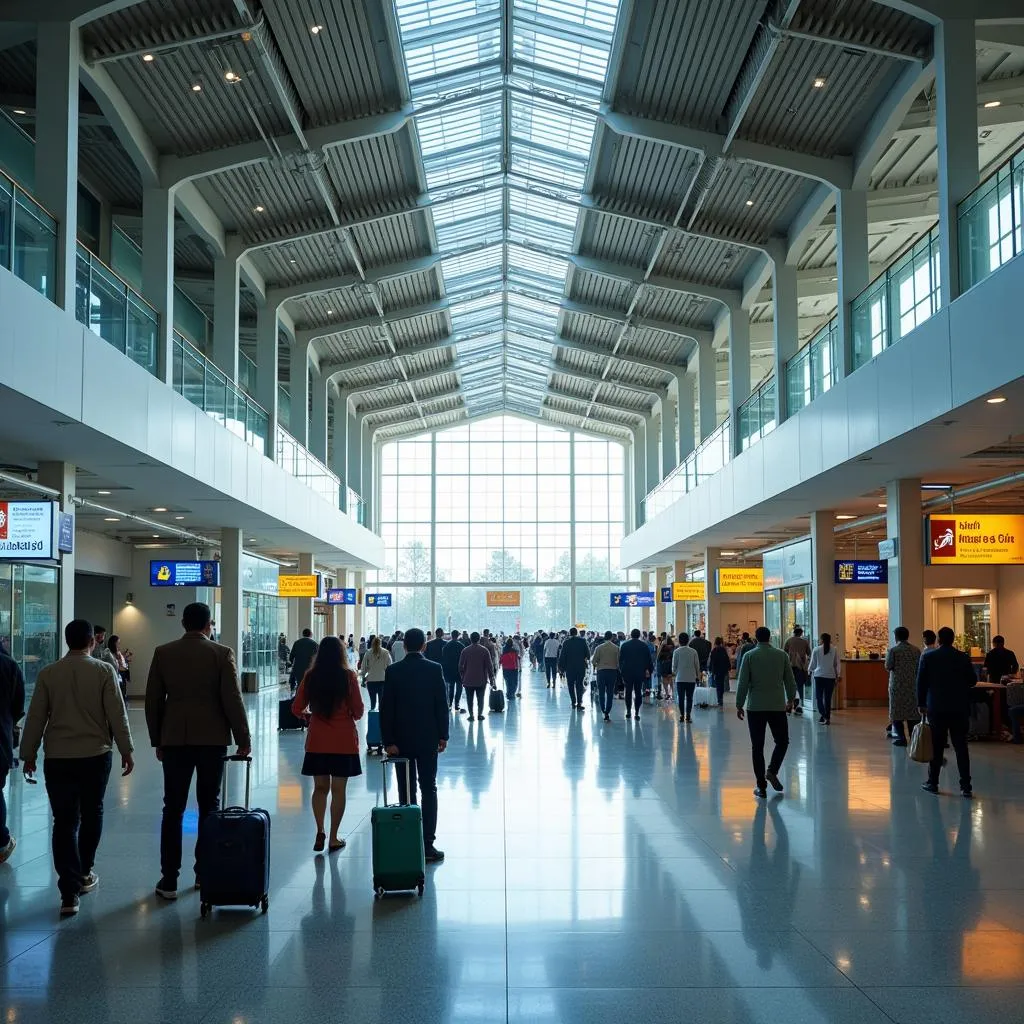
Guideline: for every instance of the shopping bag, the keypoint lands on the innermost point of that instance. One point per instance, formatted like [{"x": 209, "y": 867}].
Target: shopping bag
[{"x": 920, "y": 747}]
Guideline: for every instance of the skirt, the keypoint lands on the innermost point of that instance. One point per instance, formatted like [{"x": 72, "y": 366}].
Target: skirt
[{"x": 339, "y": 766}]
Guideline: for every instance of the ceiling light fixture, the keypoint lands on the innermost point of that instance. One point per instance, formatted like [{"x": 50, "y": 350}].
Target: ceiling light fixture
[
  {"x": 111, "y": 519},
  {"x": 728, "y": 554},
  {"x": 992, "y": 104},
  {"x": 179, "y": 517},
  {"x": 257, "y": 208},
  {"x": 160, "y": 509},
  {"x": 882, "y": 504},
  {"x": 148, "y": 58},
  {"x": 103, "y": 492},
  {"x": 230, "y": 76},
  {"x": 316, "y": 29},
  {"x": 819, "y": 83},
  {"x": 995, "y": 400},
  {"x": 156, "y": 536},
  {"x": 750, "y": 202},
  {"x": 22, "y": 112},
  {"x": 197, "y": 87},
  {"x": 845, "y": 515}
]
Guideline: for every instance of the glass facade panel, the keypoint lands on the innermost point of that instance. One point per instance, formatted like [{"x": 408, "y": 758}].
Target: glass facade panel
[{"x": 28, "y": 617}]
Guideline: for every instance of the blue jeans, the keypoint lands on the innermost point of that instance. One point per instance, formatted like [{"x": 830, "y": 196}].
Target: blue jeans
[
  {"x": 511, "y": 681},
  {"x": 5, "y": 834},
  {"x": 685, "y": 692},
  {"x": 823, "y": 690},
  {"x": 606, "y": 680}
]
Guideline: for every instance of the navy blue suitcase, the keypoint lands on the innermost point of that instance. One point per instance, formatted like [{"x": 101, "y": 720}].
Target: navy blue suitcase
[
  {"x": 234, "y": 862},
  {"x": 373, "y": 740}
]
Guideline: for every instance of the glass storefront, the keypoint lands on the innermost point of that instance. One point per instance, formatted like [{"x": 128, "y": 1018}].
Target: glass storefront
[
  {"x": 28, "y": 616},
  {"x": 264, "y": 619},
  {"x": 788, "y": 590}
]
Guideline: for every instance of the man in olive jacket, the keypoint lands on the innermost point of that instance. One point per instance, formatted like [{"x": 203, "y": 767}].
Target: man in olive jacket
[
  {"x": 193, "y": 707},
  {"x": 766, "y": 690}
]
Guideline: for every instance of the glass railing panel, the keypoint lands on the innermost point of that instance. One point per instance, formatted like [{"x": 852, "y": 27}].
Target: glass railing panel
[
  {"x": 107, "y": 306},
  {"x": 756, "y": 416},
  {"x": 798, "y": 381},
  {"x": 991, "y": 223},
  {"x": 297, "y": 460},
  {"x": 35, "y": 245},
  {"x": 6, "y": 221},
  {"x": 141, "y": 334}
]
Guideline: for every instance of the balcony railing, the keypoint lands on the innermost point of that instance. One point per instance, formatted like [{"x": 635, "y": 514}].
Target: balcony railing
[
  {"x": 991, "y": 223},
  {"x": 295, "y": 459},
  {"x": 756, "y": 416},
  {"x": 898, "y": 301},
  {"x": 814, "y": 369},
  {"x": 704, "y": 461},
  {"x": 356, "y": 507},
  {"x": 111, "y": 308},
  {"x": 28, "y": 239},
  {"x": 206, "y": 387}
]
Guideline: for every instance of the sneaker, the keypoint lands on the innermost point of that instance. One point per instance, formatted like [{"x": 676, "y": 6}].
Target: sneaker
[
  {"x": 967, "y": 793},
  {"x": 636, "y": 718},
  {"x": 166, "y": 889},
  {"x": 798, "y": 710},
  {"x": 821, "y": 719},
  {"x": 774, "y": 781},
  {"x": 90, "y": 882},
  {"x": 899, "y": 743},
  {"x": 69, "y": 906},
  {"x": 607, "y": 718},
  {"x": 5, "y": 853},
  {"x": 432, "y": 855},
  {"x": 460, "y": 711},
  {"x": 689, "y": 720},
  {"x": 930, "y": 787},
  {"x": 760, "y": 792}
]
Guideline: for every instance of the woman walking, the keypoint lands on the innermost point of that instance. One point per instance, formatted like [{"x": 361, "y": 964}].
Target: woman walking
[
  {"x": 123, "y": 659},
  {"x": 511, "y": 664},
  {"x": 719, "y": 664},
  {"x": 664, "y": 658},
  {"x": 824, "y": 670},
  {"x": 374, "y": 664},
  {"x": 329, "y": 695}
]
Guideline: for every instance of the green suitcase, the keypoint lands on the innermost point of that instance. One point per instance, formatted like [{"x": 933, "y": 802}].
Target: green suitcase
[{"x": 397, "y": 832}]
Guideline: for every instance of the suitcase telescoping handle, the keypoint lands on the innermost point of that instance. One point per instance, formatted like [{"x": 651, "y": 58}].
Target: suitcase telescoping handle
[
  {"x": 384, "y": 762},
  {"x": 248, "y": 778}
]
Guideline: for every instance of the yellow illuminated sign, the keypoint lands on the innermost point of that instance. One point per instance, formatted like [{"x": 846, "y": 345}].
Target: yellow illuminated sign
[
  {"x": 297, "y": 586},
  {"x": 503, "y": 598},
  {"x": 687, "y": 591},
  {"x": 975, "y": 540},
  {"x": 741, "y": 581}
]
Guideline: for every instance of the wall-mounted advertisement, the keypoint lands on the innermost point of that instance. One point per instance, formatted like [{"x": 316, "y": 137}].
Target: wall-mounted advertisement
[
  {"x": 739, "y": 581},
  {"x": 27, "y": 530},
  {"x": 974, "y": 540}
]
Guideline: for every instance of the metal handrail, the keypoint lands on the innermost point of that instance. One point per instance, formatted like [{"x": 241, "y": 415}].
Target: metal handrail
[{"x": 129, "y": 290}]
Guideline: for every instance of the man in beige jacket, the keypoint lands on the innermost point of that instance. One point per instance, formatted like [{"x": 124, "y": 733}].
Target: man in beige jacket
[
  {"x": 76, "y": 711},
  {"x": 193, "y": 708}
]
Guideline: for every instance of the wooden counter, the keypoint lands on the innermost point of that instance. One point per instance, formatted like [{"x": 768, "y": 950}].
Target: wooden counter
[{"x": 865, "y": 683}]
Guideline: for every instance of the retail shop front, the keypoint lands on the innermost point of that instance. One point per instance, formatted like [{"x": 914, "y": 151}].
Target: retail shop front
[{"x": 788, "y": 589}]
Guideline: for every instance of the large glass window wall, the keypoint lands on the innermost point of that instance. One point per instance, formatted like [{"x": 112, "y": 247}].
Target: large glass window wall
[
  {"x": 501, "y": 503},
  {"x": 28, "y": 617}
]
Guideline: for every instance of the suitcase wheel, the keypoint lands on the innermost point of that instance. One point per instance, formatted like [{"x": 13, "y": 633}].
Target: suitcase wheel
[
  {"x": 264, "y": 904},
  {"x": 419, "y": 889}
]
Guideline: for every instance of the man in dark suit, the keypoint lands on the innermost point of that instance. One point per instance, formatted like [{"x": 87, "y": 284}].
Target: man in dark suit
[
  {"x": 414, "y": 724},
  {"x": 434, "y": 651},
  {"x": 193, "y": 707},
  {"x": 12, "y": 709},
  {"x": 302, "y": 654},
  {"x": 636, "y": 663},
  {"x": 945, "y": 677},
  {"x": 573, "y": 659}
]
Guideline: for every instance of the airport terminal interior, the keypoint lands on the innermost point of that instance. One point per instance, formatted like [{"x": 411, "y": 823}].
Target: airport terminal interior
[{"x": 365, "y": 316}]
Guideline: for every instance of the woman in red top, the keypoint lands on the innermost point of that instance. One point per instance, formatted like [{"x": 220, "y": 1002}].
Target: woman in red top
[
  {"x": 329, "y": 696},
  {"x": 510, "y": 669}
]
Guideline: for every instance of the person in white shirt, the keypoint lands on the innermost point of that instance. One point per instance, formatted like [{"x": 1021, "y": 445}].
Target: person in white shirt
[
  {"x": 824, "y": 670},
  {"x": 686, "y": 673},
  {"x": 398, "y": 649},
  {"x": 551, "y": 648}
]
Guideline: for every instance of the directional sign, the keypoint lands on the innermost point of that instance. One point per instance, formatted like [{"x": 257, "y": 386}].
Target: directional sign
[
  {"x": 339, "y": 595},
  {"x": 633, "y": 599},
  {"x": 378, "y": 600}
]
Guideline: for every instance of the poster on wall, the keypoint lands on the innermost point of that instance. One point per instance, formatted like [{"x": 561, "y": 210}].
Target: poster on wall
[
  {"x": 27, "y": 530},
  {"x": 974, "y": 540}
]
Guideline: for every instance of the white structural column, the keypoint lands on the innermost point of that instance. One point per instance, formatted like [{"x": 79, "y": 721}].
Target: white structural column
[
  {"x": 225, "y": 315},
  {"x": 298, "y": 387},
  {"x": 303, "y": 606},
  {"x": 854, "y": 266},
  {"x": 739, "y": 364},
  {"x": 904, "y": 522},
  {"x": 828, "y": 611},
  {"x": 679, "y": 607},
  {"x": 638, "y": 455},
  {"x": 61, "y": 477},
  {"x": 229, "y": 625},
  {"x": 158, "y": 271},
  {"x": 359, "y": 582},
  {"x": 660, "y": 581},
  {"x": 685, "y": 408},
  {"x": 652, "y": 476},
  {"x": 339, "y": 445},
  {"x": 786, "y": 339},
  {"x": 318, "y": 418},
  {"x": 645, "y": 585},
  {"x": 668, "y": 436},
  {"x": 342, "y": 621},
  {"x": 367, "y": 490},
  {"x": 354, "y": 458},
  {"x": 712, "y": 602},
  {"x": 266, "y": 369},
  {"x": 957, "y": 132},
  {"x": 58, "y": 50},
  {"x": 706, "y": 388}
]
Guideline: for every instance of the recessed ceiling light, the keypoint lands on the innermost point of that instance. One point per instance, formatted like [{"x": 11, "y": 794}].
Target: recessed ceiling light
[
  {"x": 160, "y": 509},
  {"x": 197, "y": 87},
  {"x": 293, "y": 261},
  {"x": 22, "y": 112},
  {"x": 330, "y": 312},
  {"x": 727, "y": 553},
  {"x": 316, "y": 29},
  {"x": 148, "y": 58},
  {"x": 179, "y": 517},
  {"x": 230, "y": 76},
  {"x": 111, "y": 519},
  {"x": 155, "y": 536},
  {"x": 750, "y": 202},
  {"x": 103, "y": 492},
  {"x": 845, "y": 516},
  {"x": 995, "y": 400},
  {"x": 257, "y": 209},
  {"x": 819, "y": 83},
  {"x": 992, "y": 103}
]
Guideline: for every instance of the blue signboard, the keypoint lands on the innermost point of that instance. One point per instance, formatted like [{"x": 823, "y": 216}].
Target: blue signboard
[
  {"x": 378, "y": 600},
  {"x": 340, "y": 596},
  {"x": 861, "y": 571},
  {"x": 184, "y": 574},
  {"x": 632, "y": 599},
  {"x": 666, "y": 595},
  {"x": 65, "y": 532}
]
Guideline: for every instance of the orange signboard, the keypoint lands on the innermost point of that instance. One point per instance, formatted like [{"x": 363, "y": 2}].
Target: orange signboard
[
  {"x": 974, "y": 540},
  {"x": 298, "y": 586},
  {"x": 688, "y": 591},
  {"x": 503, "y": 598}
]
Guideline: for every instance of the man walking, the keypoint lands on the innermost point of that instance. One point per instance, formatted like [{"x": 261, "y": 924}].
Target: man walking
[
  {"x": 573, "y": 660},
  {"x": 193, "y": 707},
  {"x": 434, "y": 651},
  {"x": 77, "y": 711},
  {"x": 636, "y": 664},
  {"x": 476, "y": 670},
  {"x": 945, "y": 678},
  {"x": 302, "y": 654},
  {"x": 606, "y": 665},
  {"x": 703, "y": 648},
  {"x": 450, "y": 656},
  {"x": 12, "y": 707},
  {"x": 552, "y": 645},
  {"x": 766, "y": 690},
  {"x": 414, "y": 724},
  {"x": 798, "y": 649},
  {"x": 901, "y": 660}
]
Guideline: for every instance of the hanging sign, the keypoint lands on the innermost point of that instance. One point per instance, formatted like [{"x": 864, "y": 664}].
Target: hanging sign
[
  {"x": 298, "y": 586},
  {"x": 27, "y": 529},
  {"x": 688, "y": 591},
  {"x": 503, "y": 598},
  {"x": 338, "y": 595},
  {"x": 378, "y": 600},
  {"x": 861, "y": 571},
  {"x": 633, "y": 599},
  {"x": 184, "y": 574},
  {"x": 974, "y": 540}
]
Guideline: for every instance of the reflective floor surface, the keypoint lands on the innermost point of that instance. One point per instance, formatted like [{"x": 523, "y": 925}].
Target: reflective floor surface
[{"x": 596, "y": 873}]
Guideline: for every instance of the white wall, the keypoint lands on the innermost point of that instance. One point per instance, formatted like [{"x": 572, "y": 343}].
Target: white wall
[{"x": 101, "y": 556}]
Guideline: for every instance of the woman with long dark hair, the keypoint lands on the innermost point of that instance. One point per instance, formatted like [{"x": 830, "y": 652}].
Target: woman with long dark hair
[
  {"x": 510, "y": 668},
  {"x": 328, "y": 696},
  {"x": 824, "y": 670}
]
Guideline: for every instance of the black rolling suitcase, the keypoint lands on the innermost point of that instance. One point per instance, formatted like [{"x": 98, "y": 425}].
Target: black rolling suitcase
[
  {"x": 234, "y": 862},
  {"x": 496, "y": 701},
  {"x": 285, "y": 718}
]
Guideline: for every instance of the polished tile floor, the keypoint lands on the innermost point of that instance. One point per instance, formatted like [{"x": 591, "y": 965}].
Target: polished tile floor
[{"x": 596, "y": 873}]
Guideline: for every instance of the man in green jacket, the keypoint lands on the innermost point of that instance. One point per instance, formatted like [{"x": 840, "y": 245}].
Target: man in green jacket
[{"x": 766, "y": 690}]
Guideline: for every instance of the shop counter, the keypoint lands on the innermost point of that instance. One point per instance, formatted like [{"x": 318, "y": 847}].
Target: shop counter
[{"x": 865, "y": 683}]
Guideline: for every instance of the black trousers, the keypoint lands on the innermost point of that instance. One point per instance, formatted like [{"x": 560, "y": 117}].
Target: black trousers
[
  {"x": 575, "y": 678},
  {"x": 478, "y": 692},
  {"x": 180, "y": 764},
  {"x": 757, "y": 723},
  {"x": 953, "y": 728},
  {"x": 720, "y": 682},
  {"x": 454, "y": 687},
  {"x": 634, "y": 692},
  {"x": 76, "y": 787},
  {"x": 823, "y": 690},
  {"x": 551, "y": 670},
  {"x": 684, "y": 693},
  {"x": 422, "y": 769}
]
